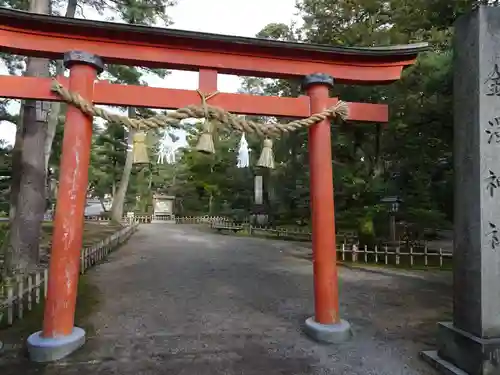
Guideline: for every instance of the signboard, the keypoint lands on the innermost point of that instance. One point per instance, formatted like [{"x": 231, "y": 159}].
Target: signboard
[{"x": 163, "y": 206}]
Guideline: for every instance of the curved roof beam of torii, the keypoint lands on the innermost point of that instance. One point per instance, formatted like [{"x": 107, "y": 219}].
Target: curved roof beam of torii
[{"x": 49, "y": 36}]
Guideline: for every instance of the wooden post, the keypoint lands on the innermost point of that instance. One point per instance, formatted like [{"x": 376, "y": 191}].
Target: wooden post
[
  {"x": 326, "y": 325},
  {"x": 59, "y": 336}
]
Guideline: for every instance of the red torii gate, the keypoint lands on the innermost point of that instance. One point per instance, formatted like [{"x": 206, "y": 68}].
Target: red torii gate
[{"x": 86, "y": 44}]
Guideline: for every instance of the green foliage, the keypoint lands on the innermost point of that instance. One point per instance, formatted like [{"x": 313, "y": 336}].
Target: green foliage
[
  {"x": 411, "y": 156},
  {"x": 143, "y": 12},
  {"x": 211, "y": 184},
  {"x": 107, "y": 160}
]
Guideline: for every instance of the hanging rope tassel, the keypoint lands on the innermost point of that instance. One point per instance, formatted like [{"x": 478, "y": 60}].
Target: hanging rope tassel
[
  {"x": 266, "y": 159},
  {"x": 206, "y": 142},
  {"x": 140, "y": 151}
]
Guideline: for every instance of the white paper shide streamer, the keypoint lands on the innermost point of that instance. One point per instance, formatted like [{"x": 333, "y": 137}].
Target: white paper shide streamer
[
  {"x": 166, "y": 150},
  {"x": 243, "y": 153}
]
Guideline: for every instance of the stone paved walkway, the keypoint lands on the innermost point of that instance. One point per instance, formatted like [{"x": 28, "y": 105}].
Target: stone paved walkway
[{"x": 180, "y": 301}]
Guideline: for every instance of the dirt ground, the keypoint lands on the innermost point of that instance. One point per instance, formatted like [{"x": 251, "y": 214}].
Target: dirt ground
[{"x": 178, "y": 300}]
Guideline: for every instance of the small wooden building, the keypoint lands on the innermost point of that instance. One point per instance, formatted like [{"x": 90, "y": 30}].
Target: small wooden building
[{"x": 163, "y": 208}]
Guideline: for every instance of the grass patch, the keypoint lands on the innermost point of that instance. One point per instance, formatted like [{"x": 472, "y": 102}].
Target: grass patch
[
  {"x": 96, "y": 231},
  {"x": 88, "y": 294},
  {"x": 92, "y": 232},
  {"x": 416, "y": 267},
  {"x": 404, "y": 261},
  {"x": 269, "y": 235},
  {"x": 87, "y": 302},
  {"x": 372, "y": 264}
]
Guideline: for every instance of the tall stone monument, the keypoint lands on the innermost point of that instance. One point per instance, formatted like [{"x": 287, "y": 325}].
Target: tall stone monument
[
  {"x": 260, "y": 211},
  {"x": 471, "y": 343}
]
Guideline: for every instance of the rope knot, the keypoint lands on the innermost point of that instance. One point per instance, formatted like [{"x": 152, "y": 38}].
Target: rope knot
[{"x": 206, "y": 143}]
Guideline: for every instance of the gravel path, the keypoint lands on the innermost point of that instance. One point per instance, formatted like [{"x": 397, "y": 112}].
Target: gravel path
[{"x": 177, "y": 300}]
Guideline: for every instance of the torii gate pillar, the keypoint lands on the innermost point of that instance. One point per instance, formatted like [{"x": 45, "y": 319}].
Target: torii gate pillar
[
  {"x": 59, "y": 337},
  {"x": 326, "y": 325}
]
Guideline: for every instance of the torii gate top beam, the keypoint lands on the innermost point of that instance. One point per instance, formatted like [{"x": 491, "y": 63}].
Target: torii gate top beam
[{"x": 48, "y": 36}]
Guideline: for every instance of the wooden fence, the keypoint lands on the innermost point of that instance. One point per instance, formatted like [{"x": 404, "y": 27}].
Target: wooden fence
[
  {"x": 146, "y": 219},
  {"x": 138, "y": 219},
  {"x": 349, "y": 250},
  {"x": 202, "y": 220},
  {"x": 402, "y": 255},
  {"x": 24, "y": 292},
  {"x": 282, "y": 233}
]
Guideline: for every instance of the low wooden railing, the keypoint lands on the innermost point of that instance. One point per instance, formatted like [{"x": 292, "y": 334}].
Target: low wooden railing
[
  {"x": 24, "y": 292},
  {"x": 348, "y": 249},
  {"x": 146, "y": 219},
  {"x": 282, "y": 233},
  {"x": 402, "y": 255},
  {"x": 202, "y": 219},
  {"x": 141, "y": 219}
]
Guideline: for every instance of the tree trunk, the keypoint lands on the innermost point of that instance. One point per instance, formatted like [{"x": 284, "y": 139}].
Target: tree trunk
[
  {"x": 121, "y": 192},
  {"x": 17, "y": 152},
  {"x": 55, "y": 107},
  {"x": 23, "y": 254},
  {"x": 25, "y": 231},
  {"x": 211, "y": 194},
  {"x": 210, "y": 203},
  {"x": 103, "y": 205},
  {"x": 52, "y": 121}
]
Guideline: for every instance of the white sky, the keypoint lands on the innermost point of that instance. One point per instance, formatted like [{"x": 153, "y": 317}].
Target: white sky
[{"x": 231, "y": 17}]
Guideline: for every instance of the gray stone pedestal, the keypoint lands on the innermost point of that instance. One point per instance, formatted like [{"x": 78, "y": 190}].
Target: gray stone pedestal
[
  {"x": 43, "y": 349},
  {"x": 328, "y": 333},
  {"x": 471, "y": 343},
  {"x": 460, "y": 352}
]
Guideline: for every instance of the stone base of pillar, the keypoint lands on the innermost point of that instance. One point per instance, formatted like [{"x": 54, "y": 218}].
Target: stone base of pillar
[
  {"x": 43, "y": 349},
  {"x": 461, "y": 353},
  {"x": 328, "y": 333}
]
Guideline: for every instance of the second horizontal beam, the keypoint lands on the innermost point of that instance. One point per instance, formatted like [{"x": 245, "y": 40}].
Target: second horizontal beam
[{"x": 155, "y": 97}]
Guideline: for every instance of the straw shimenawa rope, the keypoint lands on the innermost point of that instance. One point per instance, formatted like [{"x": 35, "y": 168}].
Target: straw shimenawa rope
[{"x": 340, "y": 109}]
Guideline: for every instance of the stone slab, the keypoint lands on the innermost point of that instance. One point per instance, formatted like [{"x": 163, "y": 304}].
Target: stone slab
[
  {"x": 472, "y": 341},
  {"x": 328, "y": 333},
  {"x": 477, "y": 160},
  {"x": 444, "y": 367},
  {"x": 474, "y": 355},
  {"x": 43, "y": 349}
]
